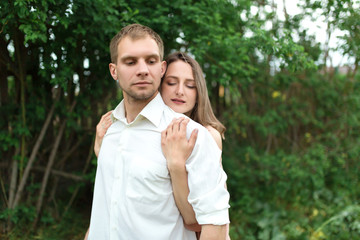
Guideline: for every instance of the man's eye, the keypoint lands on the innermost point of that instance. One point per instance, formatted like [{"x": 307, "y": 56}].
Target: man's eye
[
  {"x": 130, "y": 63},
  {"x": 152, "y": 61}
]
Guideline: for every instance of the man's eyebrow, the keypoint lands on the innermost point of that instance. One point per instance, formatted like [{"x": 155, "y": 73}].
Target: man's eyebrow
[
  {"x": 155, "y": 56},
  {"x": 126, "y": 57}
]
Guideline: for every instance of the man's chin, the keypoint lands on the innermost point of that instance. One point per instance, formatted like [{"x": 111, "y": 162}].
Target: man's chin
[{"x": 142, "y": 96}]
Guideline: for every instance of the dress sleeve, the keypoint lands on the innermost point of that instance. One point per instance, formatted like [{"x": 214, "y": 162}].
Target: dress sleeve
[{"x": 206, "y": 178}]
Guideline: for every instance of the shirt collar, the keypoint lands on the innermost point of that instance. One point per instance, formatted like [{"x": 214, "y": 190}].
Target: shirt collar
[{"x": 152, "y": 111}]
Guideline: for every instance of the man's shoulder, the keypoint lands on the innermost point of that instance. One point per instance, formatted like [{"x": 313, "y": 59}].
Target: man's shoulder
[{"x": 170, "y": 114}]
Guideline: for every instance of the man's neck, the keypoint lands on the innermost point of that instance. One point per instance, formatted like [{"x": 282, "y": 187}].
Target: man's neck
[{"x": 134, "y": 106}]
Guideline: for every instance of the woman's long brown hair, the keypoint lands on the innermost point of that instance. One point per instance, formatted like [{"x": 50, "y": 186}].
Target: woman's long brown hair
[{"x": 202, "y": 111}]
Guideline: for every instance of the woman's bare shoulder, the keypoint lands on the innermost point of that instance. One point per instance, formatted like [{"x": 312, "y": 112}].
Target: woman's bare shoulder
[{"x": 216, "y": 135}]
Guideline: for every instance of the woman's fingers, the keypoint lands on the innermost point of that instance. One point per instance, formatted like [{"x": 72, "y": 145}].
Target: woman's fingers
[
  {"x": 105, "y": 120},
  {"x": 193, "y": 137},
  {"x": 169, "y": 128},
  {"x": 175, "y": 145},
  {"x": 103, "y": 125},
  {"x": 182, "y": 125},
  {"x": 163, "y": 137},
  {"x": 177, "y": 127},
  {"x": 106, "y": 115}
]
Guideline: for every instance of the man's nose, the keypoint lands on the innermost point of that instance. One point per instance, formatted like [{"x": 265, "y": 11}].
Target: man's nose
[{"x": 143, "y": 69}]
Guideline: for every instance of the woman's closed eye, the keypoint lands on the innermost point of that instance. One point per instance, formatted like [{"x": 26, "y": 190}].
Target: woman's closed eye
[{"x": 171, "y": 83}]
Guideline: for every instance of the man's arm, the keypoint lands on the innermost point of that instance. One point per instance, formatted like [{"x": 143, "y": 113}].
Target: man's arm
[
  {"x": 213, "y": 232},
  {"x": 206, "y": 179}
]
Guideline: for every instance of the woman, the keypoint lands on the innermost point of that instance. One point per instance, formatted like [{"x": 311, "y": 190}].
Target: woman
[{"x": 183, "y": 88}]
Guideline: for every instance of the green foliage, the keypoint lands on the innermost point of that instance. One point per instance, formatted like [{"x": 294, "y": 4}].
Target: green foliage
[
  {"x": 19, "y": 215},
  {"x": 344, "y": 225},
  {"x": 304, "y": 169}
]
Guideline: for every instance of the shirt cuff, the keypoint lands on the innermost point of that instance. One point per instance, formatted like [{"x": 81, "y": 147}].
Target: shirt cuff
[{"x": 214, "y": 218}]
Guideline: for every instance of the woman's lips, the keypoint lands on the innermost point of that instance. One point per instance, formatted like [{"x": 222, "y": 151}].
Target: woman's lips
[{"x": 177, "y": 101}]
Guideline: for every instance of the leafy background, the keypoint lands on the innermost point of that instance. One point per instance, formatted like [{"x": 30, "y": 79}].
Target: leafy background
[{"x": 292, "y": 142}]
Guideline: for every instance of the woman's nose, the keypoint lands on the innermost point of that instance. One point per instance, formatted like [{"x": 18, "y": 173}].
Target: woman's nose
[{"x": 180, "y": 90}]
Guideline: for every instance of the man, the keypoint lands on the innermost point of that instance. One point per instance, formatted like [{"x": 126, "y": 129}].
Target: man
[{"x": 133, "y": 194}]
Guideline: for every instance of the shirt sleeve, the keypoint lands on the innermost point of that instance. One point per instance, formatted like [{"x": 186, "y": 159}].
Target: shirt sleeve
[{"x": 206, "y": 178}]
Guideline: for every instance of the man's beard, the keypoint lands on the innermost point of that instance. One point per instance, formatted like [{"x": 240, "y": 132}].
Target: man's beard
[{"x": 135, "y": 96}]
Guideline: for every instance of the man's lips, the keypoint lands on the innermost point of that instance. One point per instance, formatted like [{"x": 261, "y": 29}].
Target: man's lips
[
  {"x": 177, "y": 101},
  {"x": 142, "y": 83}
]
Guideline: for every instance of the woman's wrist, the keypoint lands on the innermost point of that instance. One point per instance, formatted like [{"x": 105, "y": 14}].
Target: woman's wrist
[{"x": 176, "y": 166}]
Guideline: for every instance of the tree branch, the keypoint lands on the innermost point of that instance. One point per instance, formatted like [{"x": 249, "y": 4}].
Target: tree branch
[
  {"x": 33, "y": 154},
  {"x": 49, "y": 166},
  {"x": 61, "y": 174}
]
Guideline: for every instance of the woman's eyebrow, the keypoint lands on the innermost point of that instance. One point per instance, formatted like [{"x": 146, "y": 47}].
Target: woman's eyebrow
[{"x": 171, "y": 76}]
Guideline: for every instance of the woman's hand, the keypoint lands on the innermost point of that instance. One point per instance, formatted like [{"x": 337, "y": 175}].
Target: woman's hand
[
  {"x": 175, "y": 146},
  {"x": 101, "y": 128},
  {"x": 177, "y": 149}
]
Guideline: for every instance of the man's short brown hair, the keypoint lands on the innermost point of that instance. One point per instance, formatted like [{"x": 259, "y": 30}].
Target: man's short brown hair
[{"x": 135, "y": 32}]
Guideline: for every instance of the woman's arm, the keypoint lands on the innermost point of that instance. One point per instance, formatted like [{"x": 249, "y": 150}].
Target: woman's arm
[
  {"x": 177, "y": 149},
  {"x": 87, "y": 234},
  {"x": 217, "y": 137},
  {"x": 213, "y": 232},
  {"x": 101, "y": 128}
]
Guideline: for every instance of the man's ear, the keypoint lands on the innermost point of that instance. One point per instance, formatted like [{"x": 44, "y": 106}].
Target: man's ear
[
  {"x": 113, "y": 71},
  {"x": 163, "y": 68}
]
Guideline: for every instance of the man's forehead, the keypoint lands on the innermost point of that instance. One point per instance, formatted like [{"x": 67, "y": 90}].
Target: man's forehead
[{"x": 140, "y": 47}]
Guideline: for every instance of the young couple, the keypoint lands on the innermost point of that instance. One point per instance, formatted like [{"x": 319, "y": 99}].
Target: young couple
[{"x": 159, "y": 174}]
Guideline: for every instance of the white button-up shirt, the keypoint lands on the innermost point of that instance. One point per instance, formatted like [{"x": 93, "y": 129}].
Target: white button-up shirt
[{"x": 133, "y": 196}]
